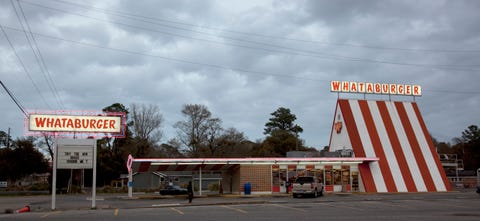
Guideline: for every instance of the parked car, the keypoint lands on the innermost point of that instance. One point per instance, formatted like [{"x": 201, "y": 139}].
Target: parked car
[
  {"x": 173, "y": 190},
  {"x": 307, "y": 185}
]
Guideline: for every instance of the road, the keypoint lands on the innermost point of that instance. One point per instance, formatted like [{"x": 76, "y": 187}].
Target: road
[{"x": 427, "y": 206}]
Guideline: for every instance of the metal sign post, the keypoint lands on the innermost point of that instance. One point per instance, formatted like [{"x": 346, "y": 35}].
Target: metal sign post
[
  {"x": 130, "y": 176},
  {"x": 54, "y": 173},
  {"x": 94, "y": 175}
]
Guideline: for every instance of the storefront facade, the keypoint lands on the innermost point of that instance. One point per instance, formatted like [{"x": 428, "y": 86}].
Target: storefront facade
[{"x": 264, "y": 175}]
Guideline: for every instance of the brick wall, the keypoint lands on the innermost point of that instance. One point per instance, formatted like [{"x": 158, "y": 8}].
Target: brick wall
[{"x": 259, "y": 176}]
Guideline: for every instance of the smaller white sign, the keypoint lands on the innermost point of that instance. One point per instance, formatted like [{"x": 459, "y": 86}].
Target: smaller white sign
[
  {"x": 75, "y": 155},
  {"x": 3, "y": 184}
]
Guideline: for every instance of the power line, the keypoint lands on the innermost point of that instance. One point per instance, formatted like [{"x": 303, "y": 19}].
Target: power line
[
  {"x": 133, "y": 16},
  {"x": 284, "y": 50},
  {"x": 14, "y": 99},
  {"x": 23, "y": 66},
  {"x": 214, "y": 66},
  {"x": 37, "y": 53}
]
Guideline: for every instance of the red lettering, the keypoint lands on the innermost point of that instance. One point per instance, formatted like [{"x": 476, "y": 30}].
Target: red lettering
[
  {"x": 99, "y": 124},
  {"x": 105, "y": 124},
  {"x": 50, "y": 122},
  {"x": 361, "y": 87},
  {"x": 58, "y": 123},
  {"x": 84, "y": 123},
  {"x": 400, "y": 89},
  {"x": 378, "y": 88},
  {"x": 92, "y": 124},
  {"x": 39, "y": 122},
  {"x": 77, "y": 123},
  {"x": 408, "y": 89},
  {"x": 353, "y": 87},
  {"x": 335, "y": 86},
  {"x": 384, "y": 88},
  {"x": 345, "y": 86},
  {"x": 369, "y": 88},
  {"x": 393, "y": 89},
  {"x": 70, "y": 123},
  {"x": 417, "y": 90},
  {"x": 63, "y": 122},
  {"x": 112, "y": 124}
]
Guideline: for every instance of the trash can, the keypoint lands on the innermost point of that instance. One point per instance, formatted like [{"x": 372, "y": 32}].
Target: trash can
[{"x": 247, "y": 189}]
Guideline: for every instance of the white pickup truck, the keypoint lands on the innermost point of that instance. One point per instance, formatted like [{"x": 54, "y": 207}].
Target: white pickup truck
[{"x": 307, "y": 185}]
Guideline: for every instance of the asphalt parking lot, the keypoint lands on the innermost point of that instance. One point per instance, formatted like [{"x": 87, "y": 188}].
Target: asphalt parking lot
[{"x": 417, "y": 206}]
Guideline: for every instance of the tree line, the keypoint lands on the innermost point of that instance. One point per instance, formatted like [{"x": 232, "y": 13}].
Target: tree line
[{"x": 199, "y": 134}]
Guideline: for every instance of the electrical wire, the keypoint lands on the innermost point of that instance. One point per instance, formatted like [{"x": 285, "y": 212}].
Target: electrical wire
[
  {"x": 23, "y": 66},
  {"x": 14, "y": 99},
  {"x": 38, "y": 54},
  {"x": 275, "y": 48},
  {"x": 214, "y": 66},
  {"x": 122, "y": 13}
]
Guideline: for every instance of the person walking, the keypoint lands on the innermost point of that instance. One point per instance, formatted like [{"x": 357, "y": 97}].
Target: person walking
[{"x": 190, "y": 192}]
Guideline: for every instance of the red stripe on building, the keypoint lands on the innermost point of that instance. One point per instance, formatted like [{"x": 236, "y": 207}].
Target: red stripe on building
[
  {"x": 144, "y": 166},
  {"x": 377, "y": 146},
  {"x": 367, "y": 178},
  {"x": 432, "y": 147},
  {"x": 427, "y": 177},
  {"x": 357, "y": 145},
  {"x": 397, "y": 148}
]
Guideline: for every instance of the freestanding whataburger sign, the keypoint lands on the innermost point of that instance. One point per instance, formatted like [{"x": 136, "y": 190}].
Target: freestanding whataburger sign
[
  {"x": 76, "y": 153},
  {"x": 72, "y": 123}
]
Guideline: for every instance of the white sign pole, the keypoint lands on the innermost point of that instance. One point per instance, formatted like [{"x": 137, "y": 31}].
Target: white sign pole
[
  {"x": 130, "y": 184},
  {"x": 94, "y": 178},
  {"x": 54, "y": 173},
  {"x": 130, "y": 175}
]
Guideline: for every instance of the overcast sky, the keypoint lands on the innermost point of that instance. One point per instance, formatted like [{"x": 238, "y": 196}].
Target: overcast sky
[{"x": 242, "y": 59}]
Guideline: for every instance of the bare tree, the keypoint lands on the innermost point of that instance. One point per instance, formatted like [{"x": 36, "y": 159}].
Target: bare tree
[
  {"x": 194, "y": 131},
  {"x": 147, "y": 121},
  {"x": 47, "y": 144},
  {"x": 214, "y": 131}
]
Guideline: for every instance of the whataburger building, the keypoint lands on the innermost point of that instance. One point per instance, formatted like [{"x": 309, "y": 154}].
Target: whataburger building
[{"x": 392, "y": 152}]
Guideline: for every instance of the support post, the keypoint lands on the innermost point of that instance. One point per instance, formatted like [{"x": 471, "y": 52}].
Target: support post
[
  {"x": 200, "y": 182},
  {"x": 54, "y": 173},
  {"x": 94, "y": 177},
  {"x": 130, "y": 184}
]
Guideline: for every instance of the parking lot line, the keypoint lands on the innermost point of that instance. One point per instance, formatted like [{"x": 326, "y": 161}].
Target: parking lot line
[
  {"x": 51, "y": 213},
  {"x": 292, "y": 208},
  {"x": 166, "y": 205},
  {"x": 177, "y": 211},
  {"x": 342, "y": 206},
  {"x": 235, "y": 209}
]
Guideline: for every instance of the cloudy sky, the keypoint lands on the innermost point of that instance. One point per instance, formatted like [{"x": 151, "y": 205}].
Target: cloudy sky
[{"x": 242, "y": 59}]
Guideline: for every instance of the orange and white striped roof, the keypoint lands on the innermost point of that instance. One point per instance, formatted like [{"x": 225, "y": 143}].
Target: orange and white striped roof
[{"x": 396, "y": 134}]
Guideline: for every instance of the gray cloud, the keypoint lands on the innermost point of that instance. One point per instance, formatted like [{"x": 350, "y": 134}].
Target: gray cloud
[{"x": 244, "y": 59}]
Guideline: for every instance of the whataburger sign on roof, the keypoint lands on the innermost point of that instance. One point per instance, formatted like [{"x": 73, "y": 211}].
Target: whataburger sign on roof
[{"x": 375, "y": 88}]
